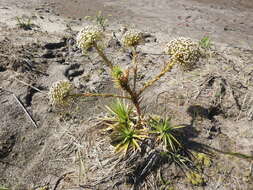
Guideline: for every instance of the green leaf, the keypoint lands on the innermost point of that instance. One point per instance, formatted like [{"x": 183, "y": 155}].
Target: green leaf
[
  {"x": 205, "y": 42},
  {"x": 166, "y": 132}
]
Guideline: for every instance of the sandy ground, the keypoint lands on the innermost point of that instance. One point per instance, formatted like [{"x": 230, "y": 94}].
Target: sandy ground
[
  {"x": 229, "y": 22},
  {"x": 32, "y": 157},
  {"x": 225, "y": 21}
]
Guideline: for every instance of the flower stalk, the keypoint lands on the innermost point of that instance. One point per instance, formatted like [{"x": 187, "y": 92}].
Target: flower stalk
[
  {"x": 101, "y": 95},
  {"x": 134, "y": 61},
  {"x": 168, "y": 68},
  {"x": 103, "y": 56}
]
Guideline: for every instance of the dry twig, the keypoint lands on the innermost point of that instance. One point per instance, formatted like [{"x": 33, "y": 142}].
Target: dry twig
[
  {"x": 30, "y": 86},
  {"x": 61, "y": 178},
  {"x": 25, "y": 110},
  {"x": 22, "y": 106}
]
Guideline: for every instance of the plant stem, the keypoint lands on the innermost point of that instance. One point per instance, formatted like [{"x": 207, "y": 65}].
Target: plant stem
[
  {"x": 168, "y": 68},
  {"x": 125, "y": 86},
  {"x": 135, "y": 66},
  {"x": 103, "y": 56},
  {"x": 133, "y": 97},
  {"x": 101, "y": 95}
]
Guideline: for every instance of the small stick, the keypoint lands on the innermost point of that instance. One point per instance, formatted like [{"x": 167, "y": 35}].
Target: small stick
[
  {"x": 27, "y": 113},
  {"x": 251, "y": 169},
  {"x": 61, "y": 178},
  {"x": 146, "y": 53},
  {"x": 30, "y": 85}
]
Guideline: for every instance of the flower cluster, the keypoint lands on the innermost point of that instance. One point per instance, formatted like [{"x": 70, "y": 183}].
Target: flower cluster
[
  {"x": 184, "y": 51},
  {"x": 60, "y": 91},
  {"x": 88, "y": 36},
  {"x": 132, "y": 38}
]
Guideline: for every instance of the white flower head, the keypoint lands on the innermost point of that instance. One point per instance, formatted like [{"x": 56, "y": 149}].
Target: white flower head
[
  {"x": 132, "y": 38},
  {"x": 88, "y": 36},
  {"x": 59, "y": 93},
  {"x": 184, "y": 51}
]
